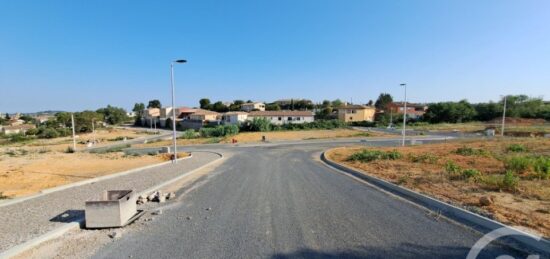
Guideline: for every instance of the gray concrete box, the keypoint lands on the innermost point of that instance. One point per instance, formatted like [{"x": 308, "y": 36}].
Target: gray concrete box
[{"x": 113, "y": 209}]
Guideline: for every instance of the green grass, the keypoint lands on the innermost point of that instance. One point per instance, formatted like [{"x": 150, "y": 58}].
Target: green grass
[
  {"x": 519, "y": 164},
  {"x": 516, "y": 148},
  {"x": 371, "y": 155},
  {"x": 470, "y": 173},
  {"x": 427, "y": 158}
]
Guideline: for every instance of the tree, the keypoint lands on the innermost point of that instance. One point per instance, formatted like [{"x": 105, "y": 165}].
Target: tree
[
  {"x": 7, "y": 117},
  {"x": 154, "y": 104},
  {"x": 63, "y": 118},
  {"x": 114, "y": 115},
  {"x": 205, "y": 103},
  {"x": 272, "y": 107},
  {"x": 383, "y": 100},
  {"x": 220, "y": 107},
  {"x": 83, "y": 120},
  {"x": 138, "y": 109},
  {"x": 326, "y": 103},
  {"x": 487, "y": 111},
  {"x": 238, "y": 102},
  {"x": 450, "y": 112},
  {"x": 337, "y": 103},
  {"x": 370, "y": 103}
]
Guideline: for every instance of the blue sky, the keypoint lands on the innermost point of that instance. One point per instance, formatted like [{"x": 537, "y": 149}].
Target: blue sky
[{"x": 74, "y": 55}]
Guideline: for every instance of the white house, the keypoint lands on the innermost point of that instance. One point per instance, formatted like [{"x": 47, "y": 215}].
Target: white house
[
  {"x": 256, "y": 106},
  {"x": 283, "y": 117},
  {"x": 234, "y": 117}
]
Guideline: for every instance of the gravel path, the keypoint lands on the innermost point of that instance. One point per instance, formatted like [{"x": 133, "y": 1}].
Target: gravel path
[{"x": 31, "y": 218}]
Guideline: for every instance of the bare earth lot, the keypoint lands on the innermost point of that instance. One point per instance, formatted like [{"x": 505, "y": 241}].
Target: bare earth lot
[
  {"x": 424, "y": 169},
  {"x": 27, "y": 168}
]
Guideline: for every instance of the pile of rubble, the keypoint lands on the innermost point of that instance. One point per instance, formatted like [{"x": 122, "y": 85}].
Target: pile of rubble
[{"x": 156, "y": 196}]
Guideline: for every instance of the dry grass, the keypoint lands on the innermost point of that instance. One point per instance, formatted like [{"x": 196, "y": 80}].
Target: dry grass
[{"x": 527, "y": 205}]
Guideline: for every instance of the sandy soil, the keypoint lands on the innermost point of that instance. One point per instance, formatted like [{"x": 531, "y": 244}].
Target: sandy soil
[{"x": 528, "y": 206}]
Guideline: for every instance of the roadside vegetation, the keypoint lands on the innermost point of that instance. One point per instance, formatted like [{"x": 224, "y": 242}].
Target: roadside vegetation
[{"x": 508, "y": 180}]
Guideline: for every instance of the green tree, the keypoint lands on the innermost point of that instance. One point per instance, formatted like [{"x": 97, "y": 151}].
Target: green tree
[
  {"x": 272, "y": 107},
  {"x": 63, "y": 118},
  {"x": 383, "y": 100},
  {"x": 83, "y": 120},
  {"x": 205, "y": 103},
  {"x": 337, "y": 103},
  {"x": 113, "y": 115},
  {"x": 220, "y": 107},
  {"x": 138, "y": 109},
  {"x": 450, "y": 112},
  {"x": 154, "y": 104}
]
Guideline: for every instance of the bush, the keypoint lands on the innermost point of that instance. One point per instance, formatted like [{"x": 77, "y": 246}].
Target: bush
[
  {"x": 510, "y": 181},
  {"x": 3, "y": 197},
  {"x": 470, "y": 173},
  {"x": 424, "y": 158},
  {"x": 468, "y": 151},
  {"x": 516, "y": 148},
  {"x": 48, "y": 133},
  {"x": 219, "y": 131},
  {"x": 18, "y": 137},
  {"x": 518, "y": 164},
  {"x": 371, "y": 155},
  {"x": 32, "y": 132},
  {"x": 541, "y": 165},
  {"x": 452, "y": 169},
  {"x": 69, "y": 150},
  {"x": 189, "y": 134}
]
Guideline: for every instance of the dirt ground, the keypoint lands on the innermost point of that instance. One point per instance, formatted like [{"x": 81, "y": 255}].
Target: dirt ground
[
  {"x": 252, "y": 137},
  {"x": 104, "y": 136},
  {"x": 512, "y": 126},
  {"x": 527, "y": 206}
]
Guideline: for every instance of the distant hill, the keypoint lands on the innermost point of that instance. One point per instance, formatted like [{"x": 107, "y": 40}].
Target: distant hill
[{"x": 41, "y": 113}]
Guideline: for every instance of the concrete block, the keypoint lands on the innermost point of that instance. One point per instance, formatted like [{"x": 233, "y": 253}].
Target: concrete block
[
  {"x": 113, "y": 209},
  {"x": 164, "y": 150}
]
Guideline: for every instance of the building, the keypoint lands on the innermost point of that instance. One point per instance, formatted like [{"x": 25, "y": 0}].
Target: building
[
  {"x": 204, "y": 115},
  {"x": 414, "y": 111},
  {"x": 234, "y": 117},
  {"x": 352, "y": 113},
  {"x": 255, "y": 106},
  {"x": 283, "y": 117},
  {"x": 198, "y": 118},
  {"x": 17, "y": 129},
  {"x": 184, "y": 113},
  {"x": 150, "y": 116}
]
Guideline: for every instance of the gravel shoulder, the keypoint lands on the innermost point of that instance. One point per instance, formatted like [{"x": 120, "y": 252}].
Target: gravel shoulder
[{"x": 34, "y": 217}]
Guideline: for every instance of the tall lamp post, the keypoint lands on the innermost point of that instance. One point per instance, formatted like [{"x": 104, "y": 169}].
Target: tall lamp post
[
  {"x": 503, "y": 116},
  {"x": 404, "y": 114},
  {"x": 181, "y": 61}
]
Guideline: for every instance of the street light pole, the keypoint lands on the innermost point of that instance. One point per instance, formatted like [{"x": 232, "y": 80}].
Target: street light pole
[
  {"x": 503, "y": 117},
  {"x": 175, "y": 157},
  {"x": 74, "y": 137},
  {"x": 404, "y": 114}
]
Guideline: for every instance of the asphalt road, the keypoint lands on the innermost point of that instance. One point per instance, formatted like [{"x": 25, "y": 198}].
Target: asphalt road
[{"x": 281, "y": 202}]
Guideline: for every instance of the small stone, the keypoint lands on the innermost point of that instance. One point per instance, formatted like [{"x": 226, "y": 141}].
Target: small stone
[
  {"x": 189, "y": 218},
  {"x": 208, "y": 208},
  {"x": 162, "y": 198},
  {"x": 206, "y": 217},
  {"x": 115, "y": 234},
  {"x": 171, "y": 195},
  {"x": 157, "y": 212},
  {"x": 486, "y": 200}
]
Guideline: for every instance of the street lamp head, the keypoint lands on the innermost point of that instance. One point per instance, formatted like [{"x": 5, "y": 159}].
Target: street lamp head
[
  {"x": 180, "y": 61},
  {"x": 403, "y": 84}
]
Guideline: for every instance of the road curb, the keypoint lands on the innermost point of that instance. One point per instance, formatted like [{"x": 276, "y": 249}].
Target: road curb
[
  {"x": 483, "y": 224},
  {"x": 89, "y": 181},
  {"x": 78, "y": 222}
]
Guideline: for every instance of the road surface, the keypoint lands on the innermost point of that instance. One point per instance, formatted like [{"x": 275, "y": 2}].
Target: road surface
[{"x": 282, "y": 202}]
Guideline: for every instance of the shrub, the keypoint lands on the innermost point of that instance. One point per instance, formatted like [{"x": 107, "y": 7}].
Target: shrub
[
  {"x": 18, "y": 137},
  {"x": 48, "y": 133},
  {"x": 452, "y": 168},
  {"x": 32, "y": 132},
  {"x": 510, "y": 181},
  {"x": 371, "y": 155},
  {"x": 516, "y": 148},
  {"x": 468, "y": 151},
  {"x": 541, "y": 165},
  {"x": 3, "y": 197},
  {"x": 424, "y": 158},
  {"x": 69, "y": 150},
  {"x": 219, "y": 131},
  {"x": 470, "y": 173},
  {"x": 189, "y": 134},
  {"x": 518, "y": 164}
]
